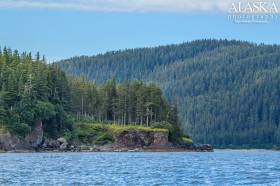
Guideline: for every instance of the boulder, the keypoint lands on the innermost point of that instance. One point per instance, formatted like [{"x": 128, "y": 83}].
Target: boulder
[
  {"x": 62, "y": 140},
  {"x": 63, "y": 146},
  {"x": 51, "y": 144},
  {"x": 63, "y": 143},
  {"x": 204, "y": 148}
]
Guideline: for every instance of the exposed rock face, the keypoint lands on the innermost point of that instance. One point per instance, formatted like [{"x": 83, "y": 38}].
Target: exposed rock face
[
  {"x": 35, "y": 137},
  {"x": 32, "y": 141},
  {"x": 11, "y": 142},
  {"x": 136, "y": 139},
  {"x": 160, "y": 139}
]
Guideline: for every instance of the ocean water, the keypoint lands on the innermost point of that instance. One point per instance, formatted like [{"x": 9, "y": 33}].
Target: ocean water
[{"x": 222, "y": 167}]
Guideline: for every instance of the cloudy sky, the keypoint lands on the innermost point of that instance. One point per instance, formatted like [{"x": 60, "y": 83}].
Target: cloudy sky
[
  {"x": 121, "y": 5},
  {"x": 64, "y": 28}
]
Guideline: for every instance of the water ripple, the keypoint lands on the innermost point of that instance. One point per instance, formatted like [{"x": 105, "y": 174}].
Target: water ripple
[{"x": 218, "y": 168}]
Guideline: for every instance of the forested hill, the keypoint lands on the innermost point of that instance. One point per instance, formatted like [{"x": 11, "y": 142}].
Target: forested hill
[
  {"x": 33, "y": 93},
  {"x": 228, "y": 92}
]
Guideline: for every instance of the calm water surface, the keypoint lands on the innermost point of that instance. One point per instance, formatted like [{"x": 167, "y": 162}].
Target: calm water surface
[{"x": 254, "y": 167}]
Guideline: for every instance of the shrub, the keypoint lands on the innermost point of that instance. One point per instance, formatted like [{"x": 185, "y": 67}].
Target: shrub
[
  {"x": 90, "y": 134},
  {"x": 187, "y": 141},
  {"x": 21, "y": 128}
]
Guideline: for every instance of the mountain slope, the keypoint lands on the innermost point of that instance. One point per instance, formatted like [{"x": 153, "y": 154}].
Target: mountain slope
[
  {"x": 228, "y": 92},
  {"x": 137, "y": 63}
]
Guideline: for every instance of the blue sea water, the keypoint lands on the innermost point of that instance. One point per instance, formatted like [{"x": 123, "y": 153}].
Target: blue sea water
[{"x": 222, "y": 167}]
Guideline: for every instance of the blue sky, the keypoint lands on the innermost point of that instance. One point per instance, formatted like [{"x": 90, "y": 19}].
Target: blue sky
[{"x": 60, "y": 31}]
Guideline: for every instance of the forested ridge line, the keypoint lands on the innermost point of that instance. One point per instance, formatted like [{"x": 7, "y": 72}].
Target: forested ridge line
[{"x": 138, "y": 63}]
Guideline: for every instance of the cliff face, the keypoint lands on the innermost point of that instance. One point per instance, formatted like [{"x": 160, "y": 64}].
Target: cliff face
[
  {"x": 138, "y": 139},
  {"x": 12, "y": 142},
  {"x": 32, "y": 141}
]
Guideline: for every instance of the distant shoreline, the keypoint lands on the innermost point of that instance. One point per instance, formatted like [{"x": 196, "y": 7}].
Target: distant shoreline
[
  {"x": 247, "y": 149},
  {"x": 131, "y": 150},
  {"x": 136, "y": 150}
]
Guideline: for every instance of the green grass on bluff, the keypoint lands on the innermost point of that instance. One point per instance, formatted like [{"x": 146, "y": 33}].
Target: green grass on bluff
[{"x": 100, "y": 134}]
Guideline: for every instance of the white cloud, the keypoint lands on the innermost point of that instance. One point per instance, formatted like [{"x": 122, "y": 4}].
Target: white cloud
[{"x": 122, "y": 5}]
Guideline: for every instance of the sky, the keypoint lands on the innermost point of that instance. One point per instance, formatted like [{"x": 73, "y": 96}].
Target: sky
[{"x": 61, "y": 29}]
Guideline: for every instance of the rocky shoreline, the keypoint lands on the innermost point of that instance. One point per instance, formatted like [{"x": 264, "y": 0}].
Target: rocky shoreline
[
  {"x": 61, "y": 145},
  {"x": 130, "y": 140}
]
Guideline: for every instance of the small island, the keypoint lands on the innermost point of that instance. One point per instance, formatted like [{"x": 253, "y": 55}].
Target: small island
[{"x": 44, "y": 109}]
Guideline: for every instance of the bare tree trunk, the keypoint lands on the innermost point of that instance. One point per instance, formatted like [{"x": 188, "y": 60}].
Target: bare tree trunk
[
  {"x": 82, "y": 104},
  {"x": 151, "y": 113},
  {"x": 124, "y": 119}
]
